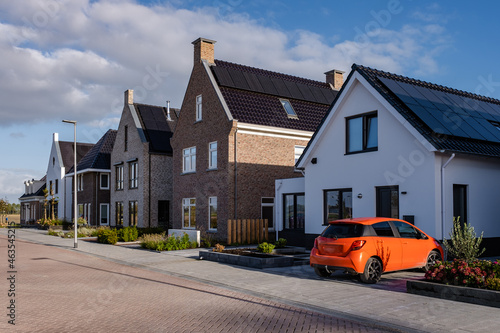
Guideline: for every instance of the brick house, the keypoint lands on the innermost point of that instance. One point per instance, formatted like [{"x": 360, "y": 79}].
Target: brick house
[
  {"x": 93, "y": 181},
  {"x": 141, "y": 166},
  {"x": 61, "y": 160},
  {"x": 32, "y": 201},
  {"x": 239, "y": 129}
]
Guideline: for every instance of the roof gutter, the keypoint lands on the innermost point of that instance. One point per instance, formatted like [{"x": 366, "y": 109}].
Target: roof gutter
[{"x": 443, "y": 210}]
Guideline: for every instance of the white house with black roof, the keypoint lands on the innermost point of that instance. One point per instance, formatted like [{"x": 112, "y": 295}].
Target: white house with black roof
[{"x": 398, "y": 147}]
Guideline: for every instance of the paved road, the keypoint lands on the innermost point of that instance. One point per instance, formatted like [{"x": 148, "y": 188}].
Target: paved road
[
  {"x": 294, "y": 287},
  {"x": 60, "y": 290}
]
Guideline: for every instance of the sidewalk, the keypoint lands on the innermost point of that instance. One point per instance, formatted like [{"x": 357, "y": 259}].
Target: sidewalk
[{"x": 299, "y": 287}]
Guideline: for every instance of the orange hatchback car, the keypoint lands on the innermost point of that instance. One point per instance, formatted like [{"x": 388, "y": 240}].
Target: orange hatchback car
[{"x": 372, "y": 245}]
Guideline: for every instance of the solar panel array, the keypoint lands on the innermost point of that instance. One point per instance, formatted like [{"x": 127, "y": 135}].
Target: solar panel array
[
  {"x": 234, "y": 78},
  {"x": 449, "y": 113},
  {"x": 157, "y": 128}
]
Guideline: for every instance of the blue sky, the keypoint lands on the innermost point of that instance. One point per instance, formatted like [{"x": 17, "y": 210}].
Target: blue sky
[{"x": 73, "y": 59}]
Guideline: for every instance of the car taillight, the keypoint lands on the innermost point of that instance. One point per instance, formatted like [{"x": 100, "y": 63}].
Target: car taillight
[{"x": 356, "y": 245}]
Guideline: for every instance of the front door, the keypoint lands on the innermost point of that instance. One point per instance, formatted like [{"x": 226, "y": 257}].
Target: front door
[
  {"x": 164, "y": 214},
  {"x": 294, "y": 219},
  {"x": 388, "y": 201}
]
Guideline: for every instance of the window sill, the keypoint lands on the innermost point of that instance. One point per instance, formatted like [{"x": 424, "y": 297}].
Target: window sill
[
  {"x": 188, "y": 173},
  {"x": 212, "y": 231},
  {"x": 212, "y": 169},
  {"x": 188, "y": 228},
  {"x": 198, "y": 121},
  {"x": 361, "y": 151}
]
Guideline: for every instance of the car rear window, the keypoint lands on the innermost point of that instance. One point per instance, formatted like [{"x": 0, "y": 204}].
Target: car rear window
[
  {"x": 344, "y": 230},
  {"x": 383, "y": 229}
]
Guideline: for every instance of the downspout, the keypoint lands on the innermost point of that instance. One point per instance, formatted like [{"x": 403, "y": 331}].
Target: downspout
[
  {"x": 236, "y": 174},
  {"x": 443, "y": 211},
  {"x": 281, "y": 207}
]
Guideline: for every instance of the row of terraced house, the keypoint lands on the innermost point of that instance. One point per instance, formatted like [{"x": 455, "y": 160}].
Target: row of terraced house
[{"x": 249, "y": 143}]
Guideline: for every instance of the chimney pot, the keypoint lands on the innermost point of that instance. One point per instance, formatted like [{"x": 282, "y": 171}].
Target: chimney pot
[
  {"x": 335, "y": 78},
  {"x": 204, "y": 50}
]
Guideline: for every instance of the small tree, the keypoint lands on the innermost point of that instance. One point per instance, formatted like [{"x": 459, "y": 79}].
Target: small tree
[
  {"x": 4, "y": 205},
  {"x": 463, "y": 243},
  {"x": 45, "y": 203}
]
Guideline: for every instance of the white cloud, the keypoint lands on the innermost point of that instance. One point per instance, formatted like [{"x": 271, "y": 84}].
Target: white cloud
[
  {"x": 75, "y": 58},
  {"x": 12, "y": 181}
]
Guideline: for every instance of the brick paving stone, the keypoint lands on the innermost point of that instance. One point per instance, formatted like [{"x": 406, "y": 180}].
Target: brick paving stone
[{"x": 59, "y": 290}]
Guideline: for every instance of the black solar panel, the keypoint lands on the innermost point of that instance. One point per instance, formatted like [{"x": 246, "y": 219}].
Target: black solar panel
[
  {"x": 253, "y": 82},
  {"x": 318, "y": 95},
  {"x": 293, "y": 89},
  {"x": 306, "y": 92},
  {"x": 157, "y": 129},
  {"x": 267, "y": 85},
  {"x": 223, "y": 76},
  {"x": 238, "y": 79},
  {"x": 446, "y": 112},
  {"x": 281, "y": 87}
]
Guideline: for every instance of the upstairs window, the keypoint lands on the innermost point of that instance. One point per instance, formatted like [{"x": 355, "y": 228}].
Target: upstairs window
[
  {"x": 79, "y": 181},
  {"x": 362, "y": 133},
  {"x": 298, "y": 152},
  {"x": 288, "y": 108},
  {"x": 189, "y": 160},
  {"x": 198, "y": 108},
  {"x": 125, "y": 140},
  {"x": 104, "y": 181},
  {"x": 119, "y": 177},
  {"x": 133, "y": 174},
  {"x": 212, "y": 155}
]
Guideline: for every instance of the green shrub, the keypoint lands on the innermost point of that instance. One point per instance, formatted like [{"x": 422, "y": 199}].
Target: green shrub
[
  {"x": 463, "y": 243},
  {"x": 58, "y": 233},
  {"x": 107, "y": 236},
  {"x": 280, "y": 243},
  {"x": 150, "y": 231},
  {"x": 128, "y": 234},
  {"x": 265, "y": 247},
  {"x": 493, "y": 284},
  {"x": 163, "y": 242}
]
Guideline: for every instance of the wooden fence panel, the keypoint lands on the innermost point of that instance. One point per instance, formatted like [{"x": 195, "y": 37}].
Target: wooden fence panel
[{"x": 247, "y": 231}]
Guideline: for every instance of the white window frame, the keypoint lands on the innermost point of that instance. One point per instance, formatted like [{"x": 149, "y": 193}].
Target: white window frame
[
  {"x": 107, "y": 213},
  {"x": 79, "y": 181},
  {"x": 119, "y": 177},
  {"x": 133, "y": 175},
  {"x": 100, "y": 181},
  {"x": 212, "y": 155},
  {"x": 189, "y": 160},
  {"x": 199, "y": 114},
  {"x": 298, "y": 150},
  {"x": 188, "y": 203},
  {"x": 212, "y": 202}
]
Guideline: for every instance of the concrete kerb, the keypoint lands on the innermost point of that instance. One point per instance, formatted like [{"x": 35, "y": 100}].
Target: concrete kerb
[{"x": 184, "y": 265}]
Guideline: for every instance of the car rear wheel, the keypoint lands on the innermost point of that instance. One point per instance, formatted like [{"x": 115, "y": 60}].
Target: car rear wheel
[
  {"x": 372, "y": 272},
  {"x": 431, "y": 259},
  {"x": 322, "y": 271}
]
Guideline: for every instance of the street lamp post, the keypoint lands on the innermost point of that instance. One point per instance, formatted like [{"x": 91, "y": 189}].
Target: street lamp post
[{"x": 75, "y": 216}]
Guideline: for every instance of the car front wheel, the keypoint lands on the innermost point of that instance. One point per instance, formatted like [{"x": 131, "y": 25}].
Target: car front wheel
[
  {"x": 431, "y": 259},
  {"x": 372, "y": 272},
  {"x": 322, "y": 271}
]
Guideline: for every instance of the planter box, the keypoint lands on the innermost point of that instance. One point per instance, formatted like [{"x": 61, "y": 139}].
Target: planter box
[
  {"x": 248, "y": 261},
  {"x": 454, "y": 293}
]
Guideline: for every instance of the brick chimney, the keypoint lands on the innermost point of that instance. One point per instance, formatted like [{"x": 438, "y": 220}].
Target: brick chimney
[
  {"x": 335, "y": 78},
  {"x": 129, "y": 97},
  {"x": 204, "y": 50}
]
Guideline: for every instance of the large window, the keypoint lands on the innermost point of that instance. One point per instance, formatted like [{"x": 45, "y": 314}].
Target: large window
[
  {"x": 132, "y": 213},
  {"x": 212, "y": 218},
  {"x": 119, "y": 177},
  {"x": 198, "y": 108},
  {"x": 338, "y": 205},
  {"x": 294, "y": 205},
  {"x": 362, "y": 133},
  {"x": 189, "y": 160},
  {"x": 133, "y": 174},
  {"x": 119, "y": 213},
  {"x": 104, "y": 214},
  {"x": 212, "y": 155},
  {"x": 104, "y": 181},
  {"x": 189, "y": 211}
]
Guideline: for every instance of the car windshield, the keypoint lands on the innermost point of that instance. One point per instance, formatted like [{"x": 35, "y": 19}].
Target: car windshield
[{"x": 344, "y": 230}]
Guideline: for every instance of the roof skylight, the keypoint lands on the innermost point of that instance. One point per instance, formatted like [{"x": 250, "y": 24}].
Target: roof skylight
[{"x": 288, "y": 108}]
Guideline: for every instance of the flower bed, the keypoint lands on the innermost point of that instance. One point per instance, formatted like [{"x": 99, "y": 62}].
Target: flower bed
[{"x": 482, "y": 274}]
